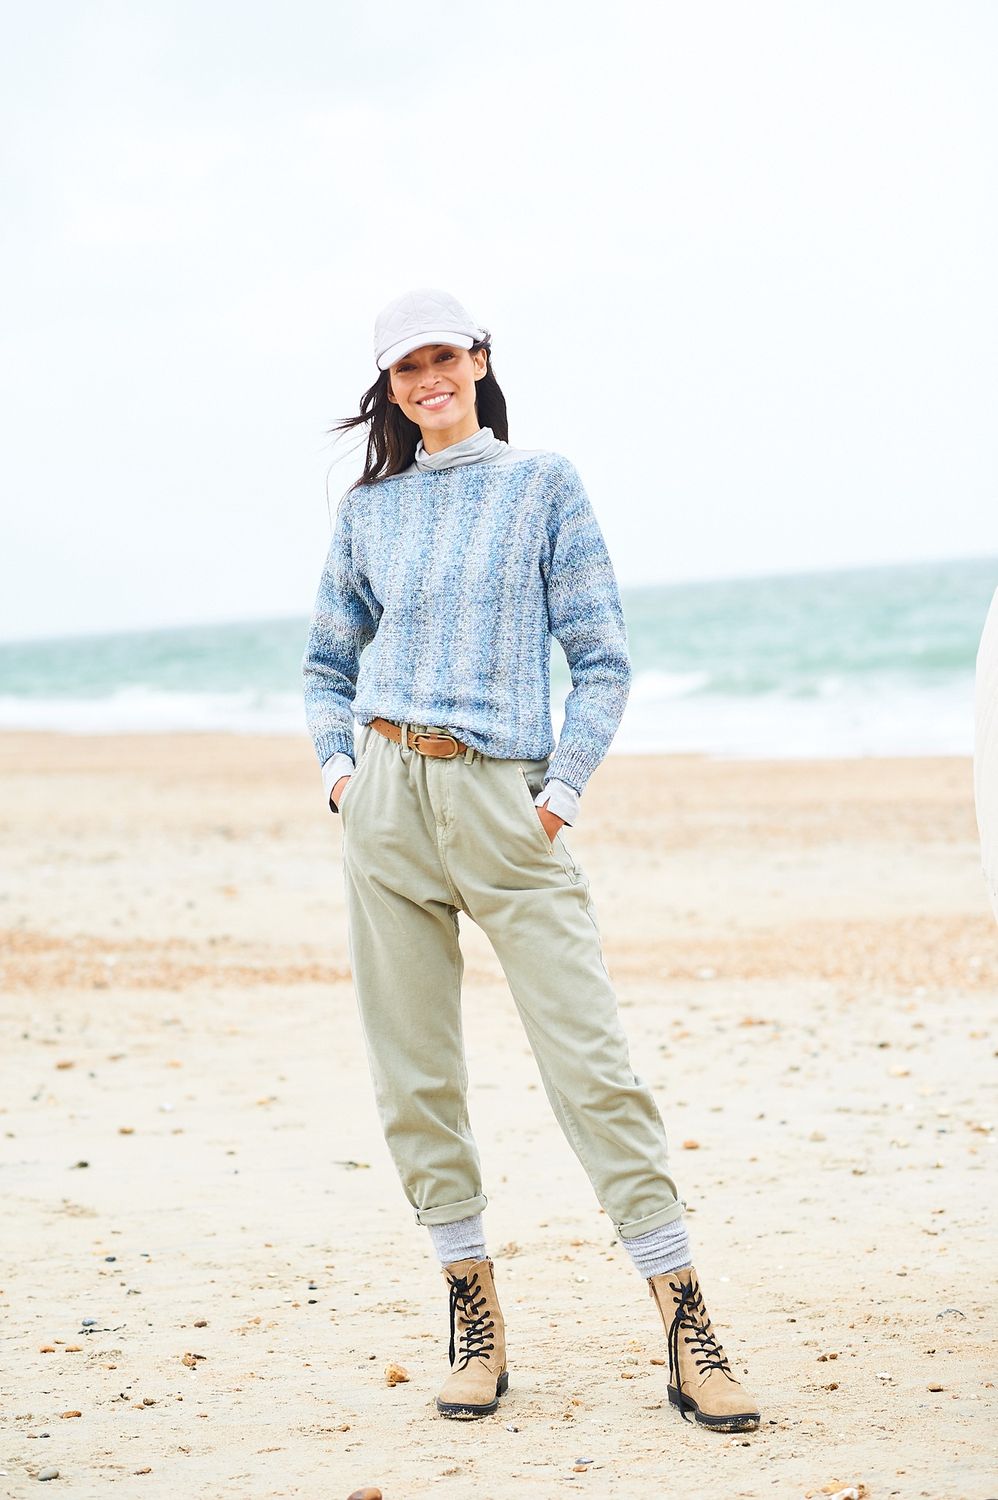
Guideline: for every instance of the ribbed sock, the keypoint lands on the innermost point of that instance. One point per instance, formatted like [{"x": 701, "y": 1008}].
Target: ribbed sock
[
  {"x": 463, "y": 1239},
  {"x": 666, "y": 1248}
]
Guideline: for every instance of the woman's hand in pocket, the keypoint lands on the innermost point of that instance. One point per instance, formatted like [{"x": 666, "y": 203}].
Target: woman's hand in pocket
[
  {"x": 551, "y": 822},
  {"x": 337, "y": 791}
]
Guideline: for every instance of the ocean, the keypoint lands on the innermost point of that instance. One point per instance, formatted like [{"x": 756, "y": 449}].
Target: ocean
[{"x": 866, "y": 661}]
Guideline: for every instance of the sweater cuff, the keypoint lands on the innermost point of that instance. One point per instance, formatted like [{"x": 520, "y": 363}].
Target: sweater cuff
[{"x": 337, "y": 740}]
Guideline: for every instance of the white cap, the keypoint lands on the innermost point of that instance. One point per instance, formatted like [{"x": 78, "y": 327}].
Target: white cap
[{"x": 423, "y": 316}]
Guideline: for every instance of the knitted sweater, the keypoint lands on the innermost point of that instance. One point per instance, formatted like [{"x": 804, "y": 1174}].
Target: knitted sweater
[
  {"x": 481, "y": 446},
  {"x": 440, "y": 594}
]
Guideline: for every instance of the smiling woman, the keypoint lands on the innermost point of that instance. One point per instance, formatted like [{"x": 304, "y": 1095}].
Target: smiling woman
[
  {"x": 444, "y": 388},
  {"x": 439, "y": 381},
  {"x": 455, "y": 559}
]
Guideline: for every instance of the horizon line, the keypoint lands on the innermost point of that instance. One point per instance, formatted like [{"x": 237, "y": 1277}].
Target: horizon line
[{"x": 670, "y": 583}]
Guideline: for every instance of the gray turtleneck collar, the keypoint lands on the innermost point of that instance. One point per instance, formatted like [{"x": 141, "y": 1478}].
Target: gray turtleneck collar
[{"x": 482, "y": 444}]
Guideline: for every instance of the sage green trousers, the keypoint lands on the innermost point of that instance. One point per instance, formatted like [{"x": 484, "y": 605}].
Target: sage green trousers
[{"x": 424, "y": 839}]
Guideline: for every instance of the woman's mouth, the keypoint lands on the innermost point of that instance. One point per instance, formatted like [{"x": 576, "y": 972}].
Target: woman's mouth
[{"x": 436, "y": 402}]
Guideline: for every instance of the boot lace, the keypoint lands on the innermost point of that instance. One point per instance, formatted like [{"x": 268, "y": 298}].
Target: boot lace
[
  {"x": 691, "y": 1318},
  {"x": 465, "y": 1293}
]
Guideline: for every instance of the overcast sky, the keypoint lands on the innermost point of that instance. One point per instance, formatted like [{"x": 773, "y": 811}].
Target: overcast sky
[{"x": 737, "y": 260}]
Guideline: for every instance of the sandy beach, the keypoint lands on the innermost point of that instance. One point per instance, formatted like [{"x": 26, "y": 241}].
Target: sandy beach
[{"x": 208, "y": 1262}]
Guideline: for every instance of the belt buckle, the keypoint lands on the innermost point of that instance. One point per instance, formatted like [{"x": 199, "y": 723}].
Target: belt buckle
[{"x": 432, "y": 736}]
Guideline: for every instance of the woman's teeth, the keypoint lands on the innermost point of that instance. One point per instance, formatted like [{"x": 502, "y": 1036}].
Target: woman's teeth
[{"x": 434, "y": 401}]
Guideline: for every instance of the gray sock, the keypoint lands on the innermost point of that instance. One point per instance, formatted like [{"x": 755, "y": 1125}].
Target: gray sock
[
  {"x": 666, "y": 1248},
  {"x": 463, "y": 1239}
]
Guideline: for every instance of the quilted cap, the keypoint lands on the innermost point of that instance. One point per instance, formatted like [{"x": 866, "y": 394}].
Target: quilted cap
[{"x": 425, "y": 315}]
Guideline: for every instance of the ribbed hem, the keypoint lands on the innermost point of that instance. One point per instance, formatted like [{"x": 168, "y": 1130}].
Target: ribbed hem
[
  {"x": 328, "y": 744},
  {"x": 572, "y": 766}
]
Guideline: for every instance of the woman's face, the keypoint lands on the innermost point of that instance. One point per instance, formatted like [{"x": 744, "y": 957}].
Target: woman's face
[{"x": 435, "y": 388}]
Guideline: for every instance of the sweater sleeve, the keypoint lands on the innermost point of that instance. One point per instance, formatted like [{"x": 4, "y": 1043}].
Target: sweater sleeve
[
  {"x": 586, "y": 617},
  {"x": 344, "y": 620}
]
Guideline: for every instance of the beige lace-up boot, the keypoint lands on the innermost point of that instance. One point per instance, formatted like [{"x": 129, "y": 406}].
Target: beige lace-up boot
[
  {"x": 478, "y": 1374},
  {"x": 700, "y": 1378}
]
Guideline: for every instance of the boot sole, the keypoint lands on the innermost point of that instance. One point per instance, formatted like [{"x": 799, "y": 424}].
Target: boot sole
[
  {"x": 462, "y": 1409},
  {"x": 730, "y": 1422}
]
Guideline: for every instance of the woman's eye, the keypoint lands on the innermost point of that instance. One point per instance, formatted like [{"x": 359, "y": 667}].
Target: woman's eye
[{"x": 444, "y": 354}]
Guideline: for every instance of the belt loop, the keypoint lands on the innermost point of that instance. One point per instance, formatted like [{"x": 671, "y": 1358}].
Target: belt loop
[
  {"x": 469, "y": 755},
  {"x": 405, "y": 738}
]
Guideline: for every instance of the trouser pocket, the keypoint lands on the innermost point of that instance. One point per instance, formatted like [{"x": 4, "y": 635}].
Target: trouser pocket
[
  {"x": 527, "y": 792},
  {"x": 362, "y": 756}
]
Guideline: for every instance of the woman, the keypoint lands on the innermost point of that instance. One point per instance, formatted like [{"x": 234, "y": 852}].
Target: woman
[{"x": 454, "y": 559}]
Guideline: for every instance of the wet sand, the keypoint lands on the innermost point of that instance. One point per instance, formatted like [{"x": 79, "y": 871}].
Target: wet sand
[{"x": 207, "y": 1252}]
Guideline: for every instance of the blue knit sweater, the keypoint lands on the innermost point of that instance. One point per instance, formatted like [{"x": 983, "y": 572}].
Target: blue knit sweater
[{"x": 437, "y": 603}]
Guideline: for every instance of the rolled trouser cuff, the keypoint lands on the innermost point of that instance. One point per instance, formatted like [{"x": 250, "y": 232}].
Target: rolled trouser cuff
[
  {"x": 661, "y": 1216},
  {"x": 446, "y": 1213}
]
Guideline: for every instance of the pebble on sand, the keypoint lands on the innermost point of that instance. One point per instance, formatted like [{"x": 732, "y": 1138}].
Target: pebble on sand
[
  {"x": 395, "y": 1374},
  {"x": 369, "y": 1492},
  {"x": 48, "y": 1474}
]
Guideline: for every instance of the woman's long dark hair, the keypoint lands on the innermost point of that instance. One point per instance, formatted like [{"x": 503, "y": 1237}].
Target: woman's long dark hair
[{"x": 392, "y": 439}]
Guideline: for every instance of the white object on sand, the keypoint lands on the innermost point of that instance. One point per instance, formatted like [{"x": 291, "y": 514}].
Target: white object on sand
[{"x": 986, "y": 749}]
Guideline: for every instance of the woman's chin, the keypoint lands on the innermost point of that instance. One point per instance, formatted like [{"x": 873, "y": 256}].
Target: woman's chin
[{"x": 436, "y": 421}]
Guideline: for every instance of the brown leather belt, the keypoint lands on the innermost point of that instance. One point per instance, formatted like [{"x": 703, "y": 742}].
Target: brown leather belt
[{"x": 434, "y": 743}]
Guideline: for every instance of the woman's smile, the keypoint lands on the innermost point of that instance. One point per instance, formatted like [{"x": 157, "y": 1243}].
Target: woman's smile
[{"x": 436, "y": 402}]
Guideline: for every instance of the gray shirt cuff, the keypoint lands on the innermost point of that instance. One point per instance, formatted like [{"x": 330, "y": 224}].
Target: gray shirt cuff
[
  {"x": 561, "y": 799},
  {"x": 340, "y": 764}
]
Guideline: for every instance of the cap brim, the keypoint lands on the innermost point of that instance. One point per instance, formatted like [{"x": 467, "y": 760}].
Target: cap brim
[{"x": 418, "y": 341}]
